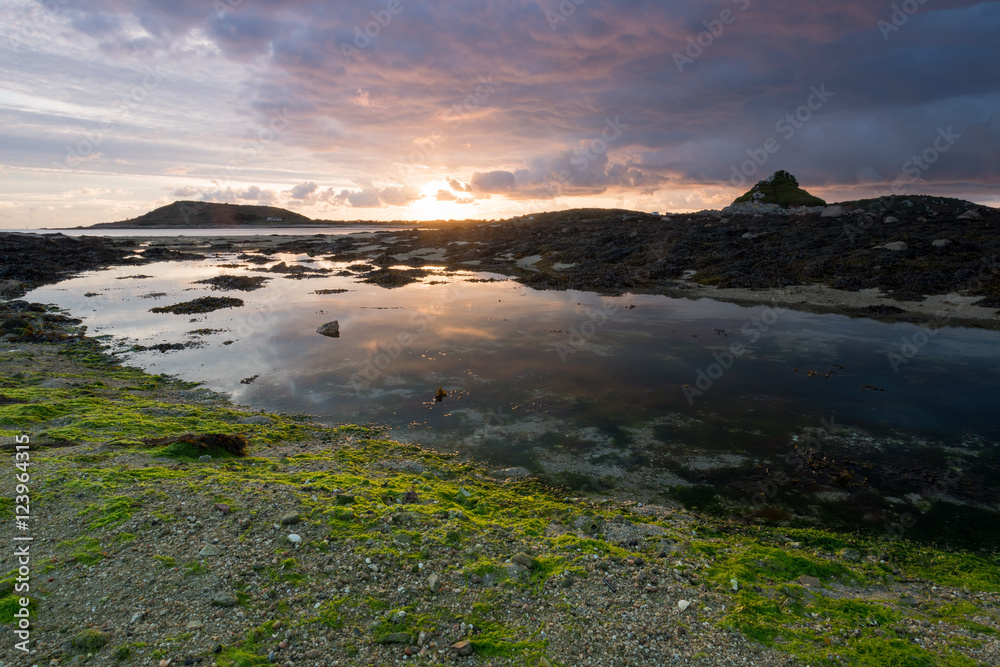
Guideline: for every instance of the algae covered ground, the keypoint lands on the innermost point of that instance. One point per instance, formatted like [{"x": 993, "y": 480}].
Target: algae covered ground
[{"x": 332, "y": 545}]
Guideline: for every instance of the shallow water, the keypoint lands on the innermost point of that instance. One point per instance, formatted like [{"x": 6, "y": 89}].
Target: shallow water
[
  {"x": 114, "y": 232},
  {"x": 590, "y": 390}
]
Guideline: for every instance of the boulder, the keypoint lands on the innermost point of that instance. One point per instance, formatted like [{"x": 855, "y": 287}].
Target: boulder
[
  {"x": 971, "y": 214},
  {"x": 331, "y": 329},
  {"x": 832, "y": 212},
  {"x": 11, "y": 287}
]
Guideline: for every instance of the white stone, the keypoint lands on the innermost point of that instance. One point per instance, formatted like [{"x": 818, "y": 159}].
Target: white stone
[{"x": 832, "y": 212}]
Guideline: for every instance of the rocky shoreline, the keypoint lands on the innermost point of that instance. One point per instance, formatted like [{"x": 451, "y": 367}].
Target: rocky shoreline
[
  {"x": 333, "y": 546},
  {"x": 918, "y": 259},
  {"x": 329, "y": 545}
]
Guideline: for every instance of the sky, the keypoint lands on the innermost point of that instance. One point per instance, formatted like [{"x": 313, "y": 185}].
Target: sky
[{"x": 434, "y": 109}]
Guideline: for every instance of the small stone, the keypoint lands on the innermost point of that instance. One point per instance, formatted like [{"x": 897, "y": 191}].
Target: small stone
[
  {"x": 891, "y": 219},
  {"x": 282, "y": 645},
  {"x": 433, "y": 583},
  {"x": 219, "y": 613},
  {"x": 832, "y": 212},
  {"x": 290, "y": 518},
  {"x": 971, "y": 214},
  {"x": 463, "y": 647},
  {"x": 683, "y": 604},
  {"x": 294, "y": 539},
  {"x": 224, "y": 600},
  {"x": 735, "y": 584},
  {"x": 224, "y": 508},
  {"x": 941, "y": 243},
  {"x": 164, "y": 663},
  {"x": 806, "y": 580},
  {"x": 209, "y": 550},
  {"x": 90, "y": 639},
  {"x": 331, "y": 329},
  {"x": 523, "y": 559},
  {"x": 204, "y": 458},
  {"x": 850, "y": 555},
  {"x": 396, "y": 638},
  {"x": 194, "y": 625},
  {"x": 896, "y": 246}
]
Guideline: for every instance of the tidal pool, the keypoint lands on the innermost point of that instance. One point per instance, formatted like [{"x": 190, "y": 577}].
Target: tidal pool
[{"x": 764, "y": 414}]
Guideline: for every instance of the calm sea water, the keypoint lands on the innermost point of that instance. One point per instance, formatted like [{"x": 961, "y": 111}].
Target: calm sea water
[
  {"x": 223, "y": 231},
  {"x": 698, "y": 401}
]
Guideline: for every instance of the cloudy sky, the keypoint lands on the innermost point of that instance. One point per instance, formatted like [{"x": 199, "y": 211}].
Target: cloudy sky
[{"x": 424, "y": 109}]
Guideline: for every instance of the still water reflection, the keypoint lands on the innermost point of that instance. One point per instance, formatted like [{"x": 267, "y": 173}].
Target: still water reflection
[{"x": 708, "y": 403}]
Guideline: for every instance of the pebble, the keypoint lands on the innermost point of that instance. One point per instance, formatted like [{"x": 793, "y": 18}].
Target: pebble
[
  {"x": 209, "y": 550},
  {"x": 433, "y": 583},
  {"x": 224, "y": 600},
  {"x": 290, "y": 518},
  {"x": 683, "y": 604},
  {"x": 294, "y": 539},
  {"x": 205, "y": 458},
  {"x": 463, "y": 647},
  {"x": 224, "y": 508}
]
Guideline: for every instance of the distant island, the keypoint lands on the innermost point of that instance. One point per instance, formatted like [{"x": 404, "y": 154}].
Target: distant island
[{"x": 209, "y": 215}]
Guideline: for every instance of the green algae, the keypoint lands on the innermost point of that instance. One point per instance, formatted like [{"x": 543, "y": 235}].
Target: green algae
[{"x": 352, "y": 485}]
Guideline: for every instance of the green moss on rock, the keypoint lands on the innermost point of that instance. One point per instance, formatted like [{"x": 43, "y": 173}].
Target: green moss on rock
[{"x": 780, "y": 188}]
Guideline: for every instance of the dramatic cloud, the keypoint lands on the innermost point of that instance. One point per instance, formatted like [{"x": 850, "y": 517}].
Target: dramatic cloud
[{"x": 327, "y": 107}]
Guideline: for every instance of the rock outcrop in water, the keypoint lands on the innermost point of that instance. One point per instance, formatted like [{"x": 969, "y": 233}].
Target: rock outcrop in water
[{"x": 331, "y": 329}]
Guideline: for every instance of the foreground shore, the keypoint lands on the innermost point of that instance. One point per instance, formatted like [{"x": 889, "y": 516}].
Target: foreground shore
[{"x": 303, "y": 543}]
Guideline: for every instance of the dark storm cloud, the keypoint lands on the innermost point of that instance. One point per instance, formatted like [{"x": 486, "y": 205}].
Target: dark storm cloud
[{"x": 516, "y": 97}]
